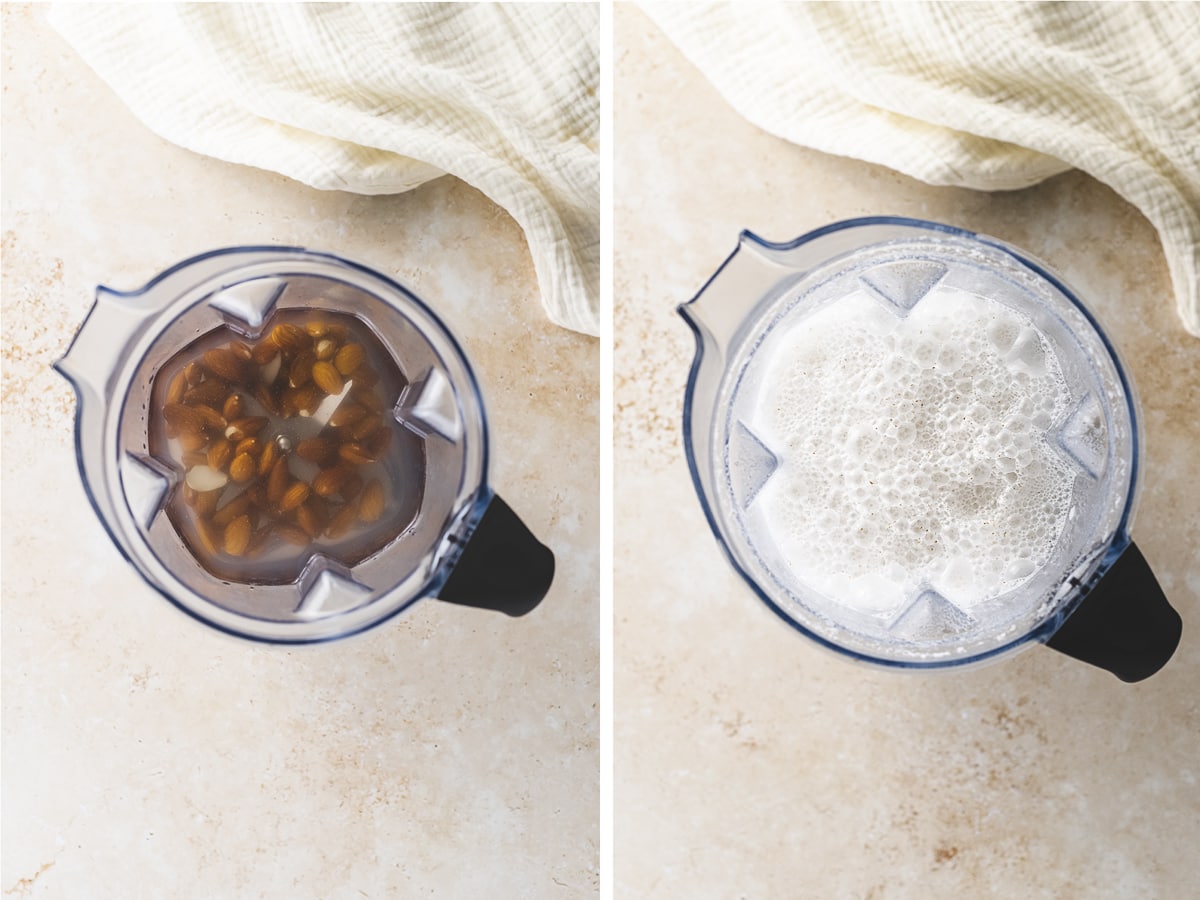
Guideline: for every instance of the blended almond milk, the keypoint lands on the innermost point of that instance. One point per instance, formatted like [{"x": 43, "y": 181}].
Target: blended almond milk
[{"x": 913, "y": 451}]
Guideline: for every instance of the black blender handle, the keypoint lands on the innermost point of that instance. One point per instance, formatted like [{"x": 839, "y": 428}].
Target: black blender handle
[
  {"x": 1124, "y": 624},
  {"x": 502, "y": 567}
]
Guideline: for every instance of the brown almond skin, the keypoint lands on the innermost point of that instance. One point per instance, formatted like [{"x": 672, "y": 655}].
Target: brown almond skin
[
  {"x": 289, "y": 338},
  {"x": 264, "y": 351},
  {"x": 317, "y": 328},
  {"x": 294, "y": 496},
  {"x": 341, "y": 522},
  {"x": 277, "y": 481},
  {"x": 346, "y": 414},
  {"x": 367, "y": 398},
  {"x": 210, "y": 392},
  {"x": 226, "y": 364},
  {"x": 204, "y": 503},
  {"x": 316, "y": 449},
  {"x": 327, "y": 378},
  {"x": 352, "y": 487},
  {"x": 176, "y": 388},
  {"x": 370, "y": 506},
  {"x": 250, "y": 445},
  {"x": 233, "y": 408},
  {"x": 365, "y": 426},
  {"x": 237, "y": 536},
  {"x": 193, "y": 373},
  {"x": 349, "y": 358},
  {"x": 307, "y": 519},
  {"x": 243, "y": 468},
  {"x": 267, "y": 460},
  {"x": 241, "y": 350},
  {"x": 267, "y": 399},
  {"x": 231, "y": 510},
  {"x": 212, "y": 418},
  {"x": 300, "y": 371},
  {"x": 325, "y": 348},
  {"x": 184, "y": 418},
  {"x": 355, "y": 453},
  {"x": 197, "y": 440},
  {"x": 220, "y": 453},
  {"x": 328, "y": 482}
]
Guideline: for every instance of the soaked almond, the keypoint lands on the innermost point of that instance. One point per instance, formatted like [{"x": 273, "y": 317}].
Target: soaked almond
[
  {"x": 296, "y": 494},
  {"x": 307, "y": 519},
  {"x": 203, "y": 478},
  {"x": 342, "y": 521},
  {"x": 193, "y": 373},
  {"x": 366, "y": 426},
  {"x": 231, "y": 510},
  {"x": 193, "y": 441},
  {"x": 184, "y": 418},
  {"x": 234, "y": 407},
  {"x": 355, "y": 453},
  {"x": 220, "y": 452},
  {"x": 349, "y": 358},
  {"x": 325, "y": 348},
  {"x": 205, "y": 536},
  {"x": 370, "y": 506},
  {"x": 237, "y": 536},
  {"x": 177, "y": 387},
  {"x": 226, "y": 364},
  {"x": 352, "y": 487},
  {"x": 264, "y": 351},
  {"x": 290, "y": 338},
  {"x": 301, "y": 370},
  {"x": 346, "y": 414},
  {"x": 243, "y": 468},
  {"x": 293, "y": 534},
  {"x": 277, "y": 481},
  {"x": 316, "y": 449},
  {"x": 245, "y": 427},
  {"x": 250, "y": 445},
  {"x": 327, "y": 378},
  {"x": 317, "y": 328},
  {"x": 328, "y": 482},
  {"x": 212, "y": 419},
  {"x": 267, "y": 460}
]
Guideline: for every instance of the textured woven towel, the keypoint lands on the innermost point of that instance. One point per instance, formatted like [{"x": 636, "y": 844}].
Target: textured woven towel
[
  {"x": 379, "y": 98},
  {"x": 981, "y": 95}
]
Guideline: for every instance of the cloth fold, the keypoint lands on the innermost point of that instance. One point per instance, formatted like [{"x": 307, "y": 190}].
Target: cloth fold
[
  {"x": 378, "y": 99},
  {"x": 986, "y": 95}
]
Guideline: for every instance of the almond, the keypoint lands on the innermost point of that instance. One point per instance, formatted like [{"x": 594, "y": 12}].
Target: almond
[
  {"x": 355, "y": 453},
  {"x": 237, "y": 536},
  {"x": 366, "y": 398},
  {"x": 329, "y": 481},
  {"x": 289, "y": 338},
  {"x": 176, "y": 388},
  {"x": 307, "y": 519},
  {"x": 210, "y": 392},
  {"x": 370, "y": 507},
  {"x": 193, "y": 440},
  {"x": 365, "y": 426},
  {"x": 212, "y": 418},
  {"x": 277, "y": 481},
  {"x": 183, "y": 418},
  {"x": 203, "y": 502},
  {"x": 220, "y": 452},
  {"x": 346, "y": 414},
  {"x": 316, "y": 449},
  {"x": 231, "y": 510},
  {"x": 241, "y": 350},
  {"x": 193, "y": 373},
  {"x": 352, "y": 487},
  {"x": 194, "y": 458},
  {"x": 264, "y": 351},
  {"x": 378, "y": 443},
  {"x": 327, "y": 378},
  {"x": 267, "y": 400},
  {"x": 267, "y": 460},
  {"x": 342, "y": 520},
  {"x": 325, "y": 348},
  {"x": 204, "y": 478},
  {"x": 225, "y": 363},
  {"x": 205, "y": 536},
  {"x": 300, "y": 401},
  {"x": 349, "y": 358},
  {"x": 317, "y": 329},
  {"x": 234, "y": 407},
  {"x": 294, "y": 496},
  {"x": 300, "y": 371},
  {"x": 251, "y": 445},
  {"x": 242, "y": 468},
  {"x": 247, "y": 426}
]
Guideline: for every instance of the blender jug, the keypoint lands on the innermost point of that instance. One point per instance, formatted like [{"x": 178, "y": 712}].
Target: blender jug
[
  {"x": 292, "y": 447},
  {"x": 920, "y": 450}
]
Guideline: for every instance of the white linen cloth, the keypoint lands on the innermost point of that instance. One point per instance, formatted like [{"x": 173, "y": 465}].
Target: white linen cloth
[
  {"x": 991, "y": 96},
  {"x": 379, "y": 98}
]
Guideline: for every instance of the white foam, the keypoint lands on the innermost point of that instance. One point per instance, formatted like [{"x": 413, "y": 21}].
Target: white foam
[{"x": 912, "y": 450}]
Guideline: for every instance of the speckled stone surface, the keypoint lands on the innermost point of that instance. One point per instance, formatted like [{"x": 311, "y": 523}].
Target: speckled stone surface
[
  {"x": 450, "y": 753},
  {"x": 750, "y": 763}
]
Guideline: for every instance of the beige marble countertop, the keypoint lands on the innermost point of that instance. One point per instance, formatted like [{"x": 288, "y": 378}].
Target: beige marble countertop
[
  {"x": 452, "y": 752},
  {"x": 750, "y": 763}
]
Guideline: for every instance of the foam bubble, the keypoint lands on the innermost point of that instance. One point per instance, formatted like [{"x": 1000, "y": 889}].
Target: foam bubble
[{"x": 912, "y": 451}]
